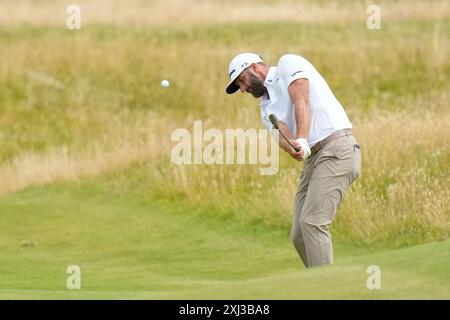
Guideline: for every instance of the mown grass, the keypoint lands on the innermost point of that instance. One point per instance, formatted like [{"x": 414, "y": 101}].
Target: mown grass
[
  {"x": 128, "y": 247},
  {"x": 106, "y": 234}
]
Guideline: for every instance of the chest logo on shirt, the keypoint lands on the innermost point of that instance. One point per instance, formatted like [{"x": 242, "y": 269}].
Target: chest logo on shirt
[{"x": 296, "y": 72}]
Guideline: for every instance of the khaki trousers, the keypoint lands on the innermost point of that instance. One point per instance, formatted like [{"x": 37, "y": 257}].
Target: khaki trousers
[{"x": 322, "y": 184}]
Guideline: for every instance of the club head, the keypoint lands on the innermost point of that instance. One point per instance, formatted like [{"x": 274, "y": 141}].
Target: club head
[{"x": 273, "y": 119}]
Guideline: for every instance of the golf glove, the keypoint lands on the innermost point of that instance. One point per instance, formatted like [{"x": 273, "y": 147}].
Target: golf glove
[{"x": 304, "y": 145}]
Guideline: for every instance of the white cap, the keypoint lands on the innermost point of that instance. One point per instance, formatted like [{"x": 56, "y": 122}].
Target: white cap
[{"x": 237, "y": 65}]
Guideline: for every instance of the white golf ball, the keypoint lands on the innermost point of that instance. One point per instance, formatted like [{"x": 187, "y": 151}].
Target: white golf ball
[{"x": 164, "y": 84}]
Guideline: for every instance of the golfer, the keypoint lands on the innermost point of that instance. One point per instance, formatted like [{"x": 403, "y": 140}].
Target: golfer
[{"x": 311, "y": 118}]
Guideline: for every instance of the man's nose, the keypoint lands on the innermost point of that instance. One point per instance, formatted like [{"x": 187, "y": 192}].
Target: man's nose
[{"x": 243, "y": 88}]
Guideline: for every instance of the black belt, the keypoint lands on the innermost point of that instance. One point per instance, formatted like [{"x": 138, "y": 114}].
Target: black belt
[{"x": 335, "y": 135}]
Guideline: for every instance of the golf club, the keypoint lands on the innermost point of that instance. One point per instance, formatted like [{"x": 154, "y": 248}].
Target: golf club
[{"x": 273, "y": 119}]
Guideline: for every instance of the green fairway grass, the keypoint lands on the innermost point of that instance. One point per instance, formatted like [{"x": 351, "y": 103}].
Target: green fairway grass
[{"x": 129, "y": 248}]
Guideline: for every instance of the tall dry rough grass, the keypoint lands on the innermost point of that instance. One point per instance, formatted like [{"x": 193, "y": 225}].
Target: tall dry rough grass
[
  {"x": 402, "y": 193},
  {"x": 201, "y": 12},
  {"x": 81, "y": 104},
  {"x": 106, "y": 154}
]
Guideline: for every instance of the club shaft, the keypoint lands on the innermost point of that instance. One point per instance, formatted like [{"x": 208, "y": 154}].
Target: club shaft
[{"x": 295, "y": 148}]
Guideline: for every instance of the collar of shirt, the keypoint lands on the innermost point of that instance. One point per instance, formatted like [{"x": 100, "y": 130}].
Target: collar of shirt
[
  {"x": 268, "y": 83},
  {"x": 270, "y": 78}
]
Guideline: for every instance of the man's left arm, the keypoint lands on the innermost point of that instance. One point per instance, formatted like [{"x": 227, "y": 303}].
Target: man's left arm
[{"x": 299, "y": 94}]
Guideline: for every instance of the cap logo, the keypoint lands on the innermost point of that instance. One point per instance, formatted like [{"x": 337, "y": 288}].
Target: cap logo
[
  {"x": 232, "y": 72},
  {"x": 244, "y": 64}
]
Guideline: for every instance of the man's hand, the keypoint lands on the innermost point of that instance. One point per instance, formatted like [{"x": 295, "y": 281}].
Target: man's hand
[
  {"x": 304, "y": 152},
  {"x": 294, "y": 154},
  {"x": 299, "y": 143},
  {"x": 305, "y": 147}
]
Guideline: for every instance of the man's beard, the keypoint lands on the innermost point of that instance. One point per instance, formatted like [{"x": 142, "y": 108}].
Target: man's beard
[{"x": 256, "y": 88}]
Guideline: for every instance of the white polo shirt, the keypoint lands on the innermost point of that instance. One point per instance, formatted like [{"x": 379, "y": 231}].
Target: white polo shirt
[{"x": 327, "y": 114}]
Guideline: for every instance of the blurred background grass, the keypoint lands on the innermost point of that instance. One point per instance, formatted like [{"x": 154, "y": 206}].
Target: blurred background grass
[{"x": 86, "y": 105}]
